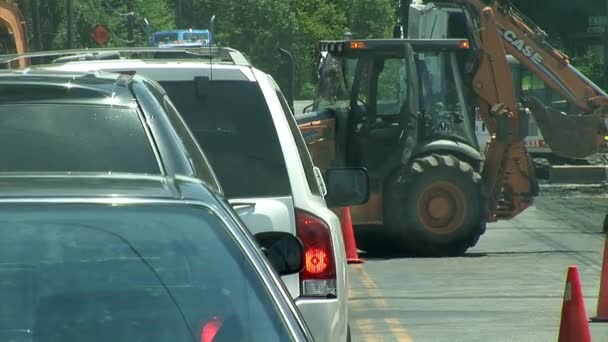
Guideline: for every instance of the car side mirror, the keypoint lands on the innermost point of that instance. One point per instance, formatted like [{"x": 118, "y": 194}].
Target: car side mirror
[
  {"x": 346, "y": 186},
  {"x": 284, "y": 251}
]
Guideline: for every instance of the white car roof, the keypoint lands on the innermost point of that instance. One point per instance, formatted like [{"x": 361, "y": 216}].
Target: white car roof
[{"x": 155, "y": 69}]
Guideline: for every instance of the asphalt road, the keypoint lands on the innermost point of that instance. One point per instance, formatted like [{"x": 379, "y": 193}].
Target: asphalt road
[{"x": 508, "y": 288}]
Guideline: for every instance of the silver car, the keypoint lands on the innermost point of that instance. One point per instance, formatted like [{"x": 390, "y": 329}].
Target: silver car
[{"x": 124, "y": 257}]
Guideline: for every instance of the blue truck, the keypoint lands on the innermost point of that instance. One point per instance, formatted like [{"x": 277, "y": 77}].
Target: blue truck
[{"x": 186, "y": 37}]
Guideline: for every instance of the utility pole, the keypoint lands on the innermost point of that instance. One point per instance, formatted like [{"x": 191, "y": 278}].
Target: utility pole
[
  {"x": 403, "y": 11},
  {"x": 605, "y": 36},
  {"x": 130, "y": 22},
  {"x": 70, "y": 10},
  {"x": 291, "y": 65},
  {"x": 35, "y": 5}
]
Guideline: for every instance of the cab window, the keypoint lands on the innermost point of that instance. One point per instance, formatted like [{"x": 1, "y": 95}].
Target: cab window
[{"x": 392, "y": 89}]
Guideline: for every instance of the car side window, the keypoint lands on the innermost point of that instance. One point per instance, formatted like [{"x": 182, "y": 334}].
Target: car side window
[
  {"x": 300, "y": 143},
  {"x": 164, "y": 136},
  {"x": 198, "y": 160},
  {"x": 201, "y": 165}
]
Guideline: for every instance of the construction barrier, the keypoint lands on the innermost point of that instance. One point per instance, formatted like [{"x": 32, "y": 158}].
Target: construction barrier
[
  {"x": 346, "y": 223},
  {"x": 574, "y": 326},
  {"x": 602, "y": 301}
]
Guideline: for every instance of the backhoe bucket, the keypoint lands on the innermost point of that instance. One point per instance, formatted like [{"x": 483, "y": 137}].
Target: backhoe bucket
[{"x": 569, "y": 136}]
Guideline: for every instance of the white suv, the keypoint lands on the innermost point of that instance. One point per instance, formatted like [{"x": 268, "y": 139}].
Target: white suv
[{"x": 243, "y": 123}]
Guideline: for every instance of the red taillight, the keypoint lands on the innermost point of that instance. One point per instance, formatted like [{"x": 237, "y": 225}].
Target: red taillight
[
  {"x": 316, "y": 261},
  {"x": 210, "y": 329},
  {"x": 319, "y": 275}
]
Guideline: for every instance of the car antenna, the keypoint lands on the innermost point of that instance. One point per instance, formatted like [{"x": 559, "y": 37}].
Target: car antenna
[{"x": 211, "y": 40}]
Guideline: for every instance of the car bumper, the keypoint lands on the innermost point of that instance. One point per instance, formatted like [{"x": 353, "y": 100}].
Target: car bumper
[{"x": 325, "y": 318}]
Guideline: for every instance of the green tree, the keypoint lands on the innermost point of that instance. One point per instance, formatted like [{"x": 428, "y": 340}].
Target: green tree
[
  {"x": 114, "y": 15},
  {"x": 591, "y": 64},
  {"x": 371, "y": 19},
  {"x": 88, "y": 13},
  {"x": 260, "y": 27},
  {"x": 317, "y": 20},
  {"x": 256, "y": 27}
]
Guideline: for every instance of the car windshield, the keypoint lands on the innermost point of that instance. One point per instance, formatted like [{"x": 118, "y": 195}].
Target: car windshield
[
  {"x": 76, "y": 272},
  {"x": 37, "y": 137},
  {"x": 234, "y": 127}
]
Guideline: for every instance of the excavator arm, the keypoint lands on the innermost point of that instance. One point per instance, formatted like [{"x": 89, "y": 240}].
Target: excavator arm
[
  {"x": 508, "y": 171},
  {"x": 11, "y": 20}
]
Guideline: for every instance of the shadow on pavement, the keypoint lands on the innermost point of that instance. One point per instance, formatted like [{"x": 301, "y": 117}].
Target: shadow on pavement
[
  {"x": 376, "y": 243},
  {"x": 489, "y": 254}
]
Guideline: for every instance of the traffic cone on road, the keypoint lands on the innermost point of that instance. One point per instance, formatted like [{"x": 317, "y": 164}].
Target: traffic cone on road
[
  {"x": 349, "y": 237},
  {"x": 602, "y": 301},
  {"x": 574, "y": 326}
]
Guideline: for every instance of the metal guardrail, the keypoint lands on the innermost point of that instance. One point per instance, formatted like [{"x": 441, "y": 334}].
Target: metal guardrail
[{"x": 213, "y": 54}]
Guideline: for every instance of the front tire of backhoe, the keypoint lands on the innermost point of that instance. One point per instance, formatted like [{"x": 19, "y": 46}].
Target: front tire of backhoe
[{"x": 440, "y": 210}]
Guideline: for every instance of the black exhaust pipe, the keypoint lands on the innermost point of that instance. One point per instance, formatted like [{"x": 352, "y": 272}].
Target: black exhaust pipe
[
  {"x": 291, "y": 79},
  {"x": 398, "y": 32},
  {"x": 402, "y": 14}
]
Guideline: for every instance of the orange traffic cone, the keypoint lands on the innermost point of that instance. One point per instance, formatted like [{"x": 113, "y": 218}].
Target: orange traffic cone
[
  {"x": 574, "y": 326},
  {"x": 349, "y": 237},
  {"x": 602, "y": 301}
]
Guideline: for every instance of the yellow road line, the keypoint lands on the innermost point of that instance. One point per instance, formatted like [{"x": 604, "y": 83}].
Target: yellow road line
[
  {"x": 371, "y": 287},
  {"x": 353, "y": 304},
  {"x": 400, "y": 333},
  {"x": 368, "y": 330},
  {"x": 394, "y": 324}
]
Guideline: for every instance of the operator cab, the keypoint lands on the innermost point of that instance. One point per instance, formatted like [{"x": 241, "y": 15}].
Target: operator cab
[
  {"x": 446, "y": 106},
  {"x": 389, "y": 97}
]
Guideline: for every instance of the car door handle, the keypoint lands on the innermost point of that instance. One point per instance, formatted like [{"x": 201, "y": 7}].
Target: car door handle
[{"x": 242, "y": 205}]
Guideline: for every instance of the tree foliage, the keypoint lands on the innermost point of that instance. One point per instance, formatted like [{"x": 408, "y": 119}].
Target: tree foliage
[
  {"x": 256, "y": 27},
  {"x": 112, "y": 14},
  {"x": 371, "y": 19},
  {"x": 260, "y": 27}
]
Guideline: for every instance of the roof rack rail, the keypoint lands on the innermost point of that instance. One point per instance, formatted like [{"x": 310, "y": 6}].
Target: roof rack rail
[{"x": 214, "y": 53}]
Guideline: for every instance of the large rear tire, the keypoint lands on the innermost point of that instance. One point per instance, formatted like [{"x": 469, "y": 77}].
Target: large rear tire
[{"x": 439, "y": 209}]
